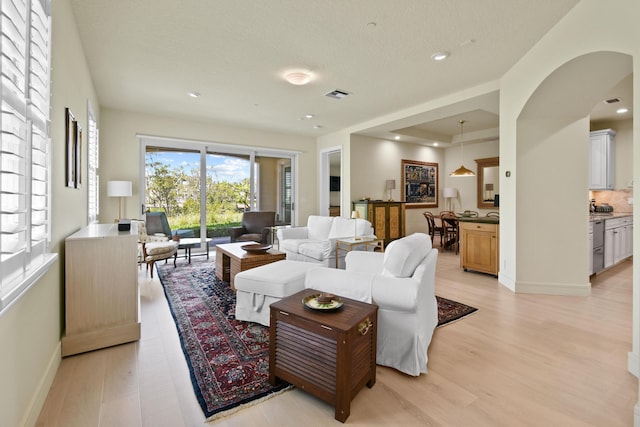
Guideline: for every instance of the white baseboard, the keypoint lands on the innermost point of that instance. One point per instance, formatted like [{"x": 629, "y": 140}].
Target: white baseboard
[
  {"x": 564, "y": 289},
  {"x": 633, "y": 364},
  {"x": 39, "y": 397}
]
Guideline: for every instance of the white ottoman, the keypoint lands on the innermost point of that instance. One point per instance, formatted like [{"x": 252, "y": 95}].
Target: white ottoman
[{"x": 258, "y": 288}]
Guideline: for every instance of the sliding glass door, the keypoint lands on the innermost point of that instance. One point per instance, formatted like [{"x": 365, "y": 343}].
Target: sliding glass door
[{"x": 205, "y": 188}]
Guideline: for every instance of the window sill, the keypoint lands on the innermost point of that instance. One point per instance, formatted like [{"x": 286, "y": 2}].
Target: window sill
[{"x": 28, "y": 279}]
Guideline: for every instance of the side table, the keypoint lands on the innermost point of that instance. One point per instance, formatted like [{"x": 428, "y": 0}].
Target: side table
[
  {"x": 187, "y": 243},
  {"x": 347, "y": 245},
  {"x": 331, "y": 355}
]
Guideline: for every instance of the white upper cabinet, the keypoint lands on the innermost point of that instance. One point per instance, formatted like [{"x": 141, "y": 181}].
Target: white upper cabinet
[{"x": 602, "y": 160}]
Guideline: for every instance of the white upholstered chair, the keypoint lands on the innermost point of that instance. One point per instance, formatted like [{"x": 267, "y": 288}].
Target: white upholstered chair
[
  {"x": 401, "y": 281},
  {"x": 154, "y": 248}
]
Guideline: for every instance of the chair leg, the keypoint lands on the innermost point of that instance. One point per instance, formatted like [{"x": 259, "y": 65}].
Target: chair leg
[{"x": 151, "y": 264}]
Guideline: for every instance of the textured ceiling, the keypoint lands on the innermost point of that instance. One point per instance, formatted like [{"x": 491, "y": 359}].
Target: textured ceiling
[{"x": 146, "y": 55}]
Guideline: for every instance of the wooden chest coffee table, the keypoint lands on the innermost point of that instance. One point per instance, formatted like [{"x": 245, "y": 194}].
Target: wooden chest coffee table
[
  {"x": 331, "y": 355},
  {"x": 231, "y": 260}
]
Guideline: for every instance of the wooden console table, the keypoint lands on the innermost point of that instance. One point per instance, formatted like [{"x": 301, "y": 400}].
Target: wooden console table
[
  {"x": 101, "y": 288},
  {"x": 330, "y": 355}
]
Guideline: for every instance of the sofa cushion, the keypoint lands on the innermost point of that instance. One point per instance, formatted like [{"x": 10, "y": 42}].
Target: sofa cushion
[
  {"x": 342, "y": 227},
  {"x": 315, "y": 250},
  {"x": 402, "y": 256},
  {"x": 319, "y": 227},
  {"x": 292, "y": 245}
]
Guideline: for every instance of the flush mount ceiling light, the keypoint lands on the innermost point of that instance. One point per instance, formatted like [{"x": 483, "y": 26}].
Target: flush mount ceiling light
[
  {"x": 462, "y": 171},
  {"x": 298, "y": 78},
  {"x": 439, "y": 56}
]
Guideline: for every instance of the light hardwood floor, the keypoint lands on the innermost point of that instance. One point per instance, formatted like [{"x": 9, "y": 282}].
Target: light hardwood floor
[{"x": 521, "y": 360}]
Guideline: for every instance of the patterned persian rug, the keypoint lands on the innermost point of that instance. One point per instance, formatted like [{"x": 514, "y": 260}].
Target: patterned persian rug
[
  {"x": 449, "y": 311},
  {"x": 229, "y": 359}
]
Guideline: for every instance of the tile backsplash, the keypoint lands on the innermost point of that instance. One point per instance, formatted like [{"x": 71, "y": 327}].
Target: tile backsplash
[{"x": 619, "y": 199}]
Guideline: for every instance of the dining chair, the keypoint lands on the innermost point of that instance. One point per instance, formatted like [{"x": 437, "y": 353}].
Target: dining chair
[
  {"x": 433, "y": 227},
  {"x": 450, "y": 229}
]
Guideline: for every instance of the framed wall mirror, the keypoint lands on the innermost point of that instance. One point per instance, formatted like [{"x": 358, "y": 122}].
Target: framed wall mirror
[{"x": 488, "y": 180}]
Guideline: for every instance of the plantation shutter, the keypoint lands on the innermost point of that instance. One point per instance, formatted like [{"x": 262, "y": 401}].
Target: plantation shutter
[{"x": 25, "y": 157}]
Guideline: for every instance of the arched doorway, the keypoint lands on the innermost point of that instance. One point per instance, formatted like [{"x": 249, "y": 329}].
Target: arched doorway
[{"x": 552, "y": 134}]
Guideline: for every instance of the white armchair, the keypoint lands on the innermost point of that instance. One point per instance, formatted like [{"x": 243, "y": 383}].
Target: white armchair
[{"x": 401, "y": 281}]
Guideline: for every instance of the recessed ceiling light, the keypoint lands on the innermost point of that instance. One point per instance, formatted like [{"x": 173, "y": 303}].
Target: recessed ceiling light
[
  {"x": 622, "y": 110},
  {"x": 298, "y": 78},
  {"x": 397, "y": 137},
  {"x": 435, "y": 144},
  {"x": 317, "y": 127},
  {"x": 194, "y": 94},
  {"x": 308, "y": 116},
  {"x": 439, "y": 56}
]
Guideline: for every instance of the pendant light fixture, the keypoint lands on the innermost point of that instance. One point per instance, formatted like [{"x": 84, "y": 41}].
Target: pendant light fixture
[{"x": 462, "y": 171}]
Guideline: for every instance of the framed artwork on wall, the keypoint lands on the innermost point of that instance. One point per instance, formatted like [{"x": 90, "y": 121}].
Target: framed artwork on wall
[
  {"x": 73, "y": 141},
  {"x": 419, "y": 184}
]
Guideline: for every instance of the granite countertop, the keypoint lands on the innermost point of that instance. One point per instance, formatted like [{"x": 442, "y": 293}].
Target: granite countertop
[
  {"x": 482, "y": 219},
  {"x": 605, "y": 216}
]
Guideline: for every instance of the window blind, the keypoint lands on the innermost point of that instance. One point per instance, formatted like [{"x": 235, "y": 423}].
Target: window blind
[{"x": 25, "y": 145}]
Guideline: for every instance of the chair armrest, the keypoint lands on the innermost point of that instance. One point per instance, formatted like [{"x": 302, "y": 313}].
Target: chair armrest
[
  {"x": 343, "y": 283},
  {"x": 365, "y": 261},
  {"x": 236, "y": 232},
  {"x": 396, "y": 293},
  {"x": 266, "y": 233},
  {"x": 292, "y": 233}
]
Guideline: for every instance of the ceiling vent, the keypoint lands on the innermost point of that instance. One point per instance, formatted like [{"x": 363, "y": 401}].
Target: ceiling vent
[
  {"x": 337, "y": 94},
  {"x": 612, "y": 100}
]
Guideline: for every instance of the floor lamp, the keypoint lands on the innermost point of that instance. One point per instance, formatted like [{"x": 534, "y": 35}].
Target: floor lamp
[
  {"x": 450, "y": 193},
  {"x": 119, "y": 189},
  {"x": 354, "y": 216}
]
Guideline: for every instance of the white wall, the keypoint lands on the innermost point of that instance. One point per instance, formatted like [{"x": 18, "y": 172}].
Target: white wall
[
  {"x": 120, "y": 153},
  {"x": 583, "y": 31},
  {"x": 30, "y": 330},
  {"x": 467, "y": 186}
]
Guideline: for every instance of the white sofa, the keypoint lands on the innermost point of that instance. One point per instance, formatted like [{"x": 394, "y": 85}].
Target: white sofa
[
  {"x": 401, "y": 281},
  {"x": 317, "y": 241}
]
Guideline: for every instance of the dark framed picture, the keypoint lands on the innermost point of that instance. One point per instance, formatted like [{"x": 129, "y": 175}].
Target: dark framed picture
[
  {"x": 419, "y": 184},
  {"x": 73, "y": 142}
]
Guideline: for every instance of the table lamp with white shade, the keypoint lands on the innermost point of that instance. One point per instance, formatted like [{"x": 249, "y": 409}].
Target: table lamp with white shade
[
  {"x": 119, "y": 189},
  {"x": 450, "y": 193},
  {"x": 390, "y": 185}
]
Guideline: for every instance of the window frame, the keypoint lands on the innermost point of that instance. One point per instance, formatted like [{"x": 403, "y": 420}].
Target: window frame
[{"x": 27, "y": 176}]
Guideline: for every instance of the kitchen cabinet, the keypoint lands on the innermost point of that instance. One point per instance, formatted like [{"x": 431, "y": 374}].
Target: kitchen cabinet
[
  {"x": 618, "y": 240},
  {"x": 602, "y": 160},
  {"x": 386, "y": 218},
  {"x": 101, "y": 288},
  {"x": 479, "y": 248}
]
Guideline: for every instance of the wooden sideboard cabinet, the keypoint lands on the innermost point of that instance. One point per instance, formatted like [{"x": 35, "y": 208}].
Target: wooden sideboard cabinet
[
  {"x": 387, "y": 218},
  {"x": 101, "y": 288},
  {"x": 479, "y": 246}
]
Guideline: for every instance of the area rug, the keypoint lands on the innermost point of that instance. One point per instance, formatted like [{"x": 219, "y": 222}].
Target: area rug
[
  {"x": 229, "y": 359},
  {"x": 449, "y": 311}
]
